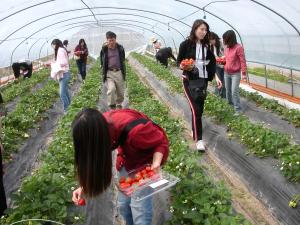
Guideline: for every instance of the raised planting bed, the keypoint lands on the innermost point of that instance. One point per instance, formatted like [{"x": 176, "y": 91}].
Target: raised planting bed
[
  {"x": 262, "y": 176},
  {"x": 47, "y": 192},
  {"x": 196, "y": 199},
  {"x": 27, "y": 113}
]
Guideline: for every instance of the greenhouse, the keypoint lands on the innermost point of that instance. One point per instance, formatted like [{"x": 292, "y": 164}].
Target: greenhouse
[{"x": 168, "y": 112}]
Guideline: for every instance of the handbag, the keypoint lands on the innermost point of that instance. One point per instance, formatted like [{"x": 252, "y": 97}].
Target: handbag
[
  {"x": 57, "y": 71},
  {"x": 198, "y": 85},
  {"x": 198, "y": 89},
  {"x": 76, "y": 57}
]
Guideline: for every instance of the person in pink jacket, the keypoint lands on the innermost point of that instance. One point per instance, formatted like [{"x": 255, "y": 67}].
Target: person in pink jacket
[
  {"x": 60, "y": 71},
  {"x": 235, "y": 69}
]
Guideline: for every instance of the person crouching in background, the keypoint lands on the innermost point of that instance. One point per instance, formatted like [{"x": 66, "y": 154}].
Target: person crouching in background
[{"x": 163, "y": 55}]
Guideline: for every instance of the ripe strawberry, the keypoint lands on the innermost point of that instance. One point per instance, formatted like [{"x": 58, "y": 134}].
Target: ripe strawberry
[
  {"x": 129, "y": 180},
  {"x": 81, "y": 202},
  {"x": 122, "y": 179},
  {"x": 138, "y": 177},
  {"x": 151, "y": 174},
  {"x": 124, "y": 185}
]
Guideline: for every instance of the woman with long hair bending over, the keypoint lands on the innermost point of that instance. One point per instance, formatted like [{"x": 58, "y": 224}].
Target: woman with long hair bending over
[{"x": 139, "y": 142}]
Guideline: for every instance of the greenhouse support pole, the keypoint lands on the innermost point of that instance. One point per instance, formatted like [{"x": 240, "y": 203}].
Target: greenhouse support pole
[
  {"x": 175, "y": 46},
  {"x": 292, "y": 82},
  {"x": 266, "y": 75}
]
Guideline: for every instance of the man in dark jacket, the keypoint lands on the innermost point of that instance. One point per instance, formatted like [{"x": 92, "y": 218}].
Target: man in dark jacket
[
  {"x": 112, "y": 58},
  {"x": 163, "y": 56}
]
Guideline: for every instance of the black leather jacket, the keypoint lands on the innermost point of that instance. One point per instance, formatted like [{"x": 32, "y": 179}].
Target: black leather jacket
[
  {"x": 104, "y": 60},
  {"x": 187, "y": 50}
]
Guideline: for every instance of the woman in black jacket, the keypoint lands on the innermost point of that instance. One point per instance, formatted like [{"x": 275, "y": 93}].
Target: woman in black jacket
[{"x": 195, "y": 79}]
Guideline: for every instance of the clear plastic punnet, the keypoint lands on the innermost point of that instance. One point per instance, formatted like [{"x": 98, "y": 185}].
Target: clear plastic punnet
[{"x": 144, "y": 182}]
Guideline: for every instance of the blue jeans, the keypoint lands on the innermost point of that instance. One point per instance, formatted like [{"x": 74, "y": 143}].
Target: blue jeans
[
  {"x": 64, "y": 90},
  {"x": 232, "y": 83},
  {"x": 133, "y": 212},
  {"x": 81, "y": 68},
  {"x": 222, "y": 91}
]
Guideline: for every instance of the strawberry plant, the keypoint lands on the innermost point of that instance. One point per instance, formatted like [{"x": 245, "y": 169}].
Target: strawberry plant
[
  {"x": 196, "y": 199},
  {"x": 161, "y": 72},
  {"x": 47, "y": 192},
  {"x": 28, "y": 112},
  {"x": 291, "y": 115},
  {"x": 23, "y": 87},
  {"x": 258, "y": 139}
]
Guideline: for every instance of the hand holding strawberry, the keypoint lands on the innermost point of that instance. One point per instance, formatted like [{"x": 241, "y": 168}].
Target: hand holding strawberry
[
  {"x": 77, "y": 196},
  {"x": 81, "y": 202}
]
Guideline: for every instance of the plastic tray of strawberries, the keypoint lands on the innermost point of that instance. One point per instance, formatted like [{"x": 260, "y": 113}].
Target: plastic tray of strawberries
[
  {"x": 221, "y": 60},
  {"x": 188, "y": 64},
  {"x": 144, "y": 182}
]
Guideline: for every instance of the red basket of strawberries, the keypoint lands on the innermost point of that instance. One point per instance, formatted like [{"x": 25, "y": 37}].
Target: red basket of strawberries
[
  {"x": 221, "y": 60},
  {"x": 187, "y": 64}
]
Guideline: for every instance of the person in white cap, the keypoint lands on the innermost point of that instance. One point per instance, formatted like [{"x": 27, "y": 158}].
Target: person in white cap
[{"x": 156, "y": 44}]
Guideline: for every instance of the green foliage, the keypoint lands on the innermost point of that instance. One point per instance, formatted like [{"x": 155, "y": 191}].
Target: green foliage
[
  {"x": 196, "y": 198},
  {"x": 271, "y": 74},
  {"x": 161, "y": 72},
  {"x": 291, "y": 115},
  {"x": 47, "y": 193},
  {"x": 28, "y": 112},
  {"x": 258, "y": 139},
  {"x": 22, "y": 87}
]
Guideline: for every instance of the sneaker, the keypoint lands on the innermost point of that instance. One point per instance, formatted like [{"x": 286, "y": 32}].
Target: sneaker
[{"x": 200, "y": 146}]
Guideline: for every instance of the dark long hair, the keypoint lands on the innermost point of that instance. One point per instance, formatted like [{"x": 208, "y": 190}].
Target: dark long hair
[
  {"x": 82, "y": 40},
  {"x": 93, "y": 155},
  {"x": 58, "y": 44},
  {"x": 195, "y": 26},
  {"x": 214, "y": 36},
  {"x": 229, "y": 38}
]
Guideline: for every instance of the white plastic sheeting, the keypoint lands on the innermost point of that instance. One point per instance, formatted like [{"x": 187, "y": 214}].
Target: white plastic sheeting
[{"x": 269, "y": 30}]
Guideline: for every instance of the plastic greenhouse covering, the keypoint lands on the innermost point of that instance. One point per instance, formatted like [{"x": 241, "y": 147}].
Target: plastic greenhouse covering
[
  {"x": 231, "y": 163},
  {"x": 269, "y": 30}
]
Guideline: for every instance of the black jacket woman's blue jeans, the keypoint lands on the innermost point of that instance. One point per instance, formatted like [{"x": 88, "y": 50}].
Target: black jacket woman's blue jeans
[{"x": 81, "y": 68}]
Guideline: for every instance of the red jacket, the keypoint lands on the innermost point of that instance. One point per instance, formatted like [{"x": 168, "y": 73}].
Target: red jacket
[
  {"x": 142, "y": 141},
  {"x": 235, "y": 60},
  {"x": 82, "y": 56}
]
